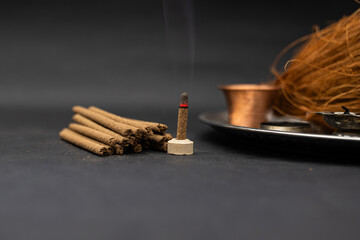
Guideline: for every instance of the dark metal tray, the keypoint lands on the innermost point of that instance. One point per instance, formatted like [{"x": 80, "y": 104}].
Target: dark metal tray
[{"x": 219, "y": 121}]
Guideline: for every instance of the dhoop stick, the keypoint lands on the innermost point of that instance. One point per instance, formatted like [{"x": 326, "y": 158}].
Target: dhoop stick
[
  {"x": 159, "y": 146},
  {"x": 119, "y": 150},
  {"x": 85, "y": 143},
  {"x": 168, "y": 137},
  {"x": 145, "y": 129},
  {"x": 98, "y": 136},
  {"x": 159, "y": 128},
  {"x": 157, "y": 138},
  {"x": 146, "y": 144},
  {"x": 162, "y": 146},
  {"x": 124, "y": 141},
  {"x": 181, "y": 145},
  {"x": 182, "y": 117},
  {"x": 157, "y": 141},
  {"x": 136, "y": 148},
  {"x": 122, "y": 129},
  {"x": 95, "y": 134},
  {"x": 155, "y": 127}
]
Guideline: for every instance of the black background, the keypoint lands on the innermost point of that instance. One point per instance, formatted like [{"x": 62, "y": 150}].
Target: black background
[
  {"x": 121, "y": 56},
  {"x": 57, "y": 53}
]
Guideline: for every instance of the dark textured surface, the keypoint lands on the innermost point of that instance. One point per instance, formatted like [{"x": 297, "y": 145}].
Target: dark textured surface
[
  {"x": 115, "y": 56},
  {"x": 51, "y": 189}
]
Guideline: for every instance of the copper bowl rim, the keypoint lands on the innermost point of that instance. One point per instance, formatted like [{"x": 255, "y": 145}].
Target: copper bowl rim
[{"x": 248, "y": 86}]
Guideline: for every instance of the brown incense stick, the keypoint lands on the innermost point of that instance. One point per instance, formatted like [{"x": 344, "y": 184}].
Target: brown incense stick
[
  {"x": 136, "y": 148},
  {"x": 181, "y": 145},
  {"x": 168, "y": 137},
  {"x": 102, "y": 132},
  {"x": 85, "y": 142},
  {"x": 157, "y": 142},
  {"x": 146, "y": 144},
  {"x": 182, "y": 117},
  {"x": 157, "y": 138},
  {"x": 95, "y": 134},
  {"x": 159, "y": 146},
  {"x": 98, "y": 136},
  {"x": 155, "y": 127},
  {"x": 159, "y": 128},
  {"x": 124, "y": 141},
  {"x": 145, "y": 129},
  {"x": 122, "y": 129},
  {"x": 163, "y": 147},
  {"x": 119, "y": 150}
]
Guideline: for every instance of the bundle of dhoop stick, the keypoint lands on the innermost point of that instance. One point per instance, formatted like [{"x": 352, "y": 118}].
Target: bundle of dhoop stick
[
  {"x": 324, "y": 74},
  {"x": 105, "y": 133}
]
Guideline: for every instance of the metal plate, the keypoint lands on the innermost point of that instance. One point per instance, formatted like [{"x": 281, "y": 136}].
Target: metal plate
[{"x": 219, "y": 121}]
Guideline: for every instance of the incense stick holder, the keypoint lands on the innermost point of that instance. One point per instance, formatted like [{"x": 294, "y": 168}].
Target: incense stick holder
[
  {"x": 180, "y": 147},
  {"x": 249, "y": 104}
]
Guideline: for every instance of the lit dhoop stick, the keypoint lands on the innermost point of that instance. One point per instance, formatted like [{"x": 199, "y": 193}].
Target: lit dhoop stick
[
  {"x": 182, "y": 117},
  {"x": 181, "y": 145}
]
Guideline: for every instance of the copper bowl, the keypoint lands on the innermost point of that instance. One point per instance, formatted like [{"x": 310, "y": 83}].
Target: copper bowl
[{"x": 249, "y": 104}]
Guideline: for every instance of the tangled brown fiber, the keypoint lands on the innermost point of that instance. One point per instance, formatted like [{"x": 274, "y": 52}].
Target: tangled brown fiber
[{"x": 324, "y": 74}]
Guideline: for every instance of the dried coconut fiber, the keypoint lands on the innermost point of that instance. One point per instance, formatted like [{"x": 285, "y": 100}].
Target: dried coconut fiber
[{"x": 324, "y": 74}]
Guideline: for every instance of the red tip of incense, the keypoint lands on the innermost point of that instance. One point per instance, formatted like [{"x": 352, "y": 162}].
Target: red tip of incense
[{"x": 184, "y": 100}]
